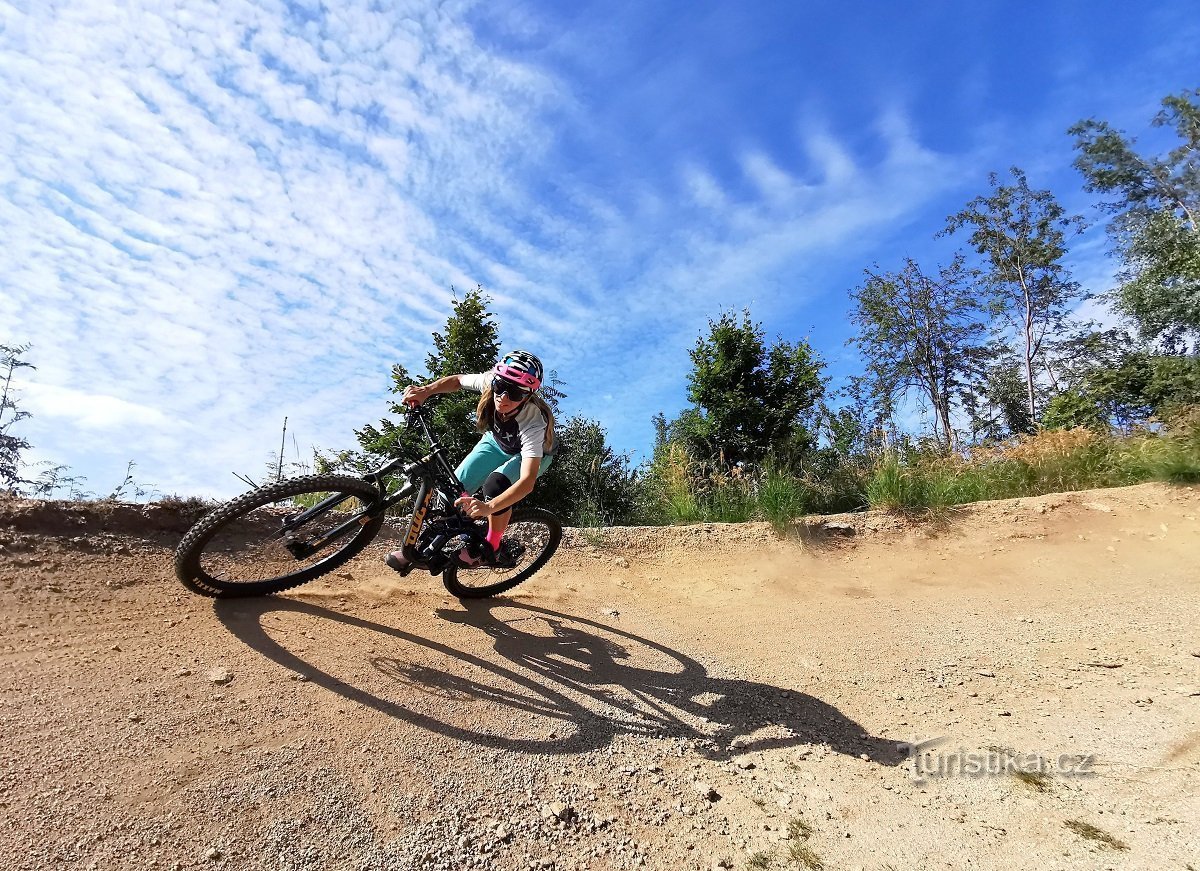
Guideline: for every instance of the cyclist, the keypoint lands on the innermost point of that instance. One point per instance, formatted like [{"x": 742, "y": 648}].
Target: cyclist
[{"x": 516, "y": 448}]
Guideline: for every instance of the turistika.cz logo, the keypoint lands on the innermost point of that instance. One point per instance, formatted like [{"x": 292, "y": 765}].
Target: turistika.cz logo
[{"x": 929, "y": 763}]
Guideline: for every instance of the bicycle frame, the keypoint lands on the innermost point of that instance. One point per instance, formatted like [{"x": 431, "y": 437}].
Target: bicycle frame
[{"x": 427, "y": 476}]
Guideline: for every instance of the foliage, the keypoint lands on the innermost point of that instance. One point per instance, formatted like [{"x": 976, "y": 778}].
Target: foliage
[
  {"x": 917, "y": 332},
  {"x": 468, "y": 344},
  {"x": 1020, "y": 233},
  {"x": 834, "y": 474},
  {"x": 998, "y": 409},
  {"x": 588, "y": 484},
  {"x": 1135, "y": 389},
  {"x": 52, "y": 477},
  {"x": 915, "y": 474},
  {"x": 749, "y": 400},
  {"x": 670, "y": 489},
  {"x": 1074, "y": 408},
  {"x": 56, "y": 481},
  {"x": 678, "y": 488},
  {"x": 1155, "y": 206},
  {"x": 470, "y": 341},
  {"x": 128, "y": 487},
  {"x": 11, "y": 445},
  {"x": 1047, "y": 462},
  {"x": 780, "y": 497}
]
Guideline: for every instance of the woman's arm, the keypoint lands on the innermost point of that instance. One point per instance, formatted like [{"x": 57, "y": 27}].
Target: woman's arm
[
  {"x": 417, "y": 394},
  {"x": 522, "y": 487}
]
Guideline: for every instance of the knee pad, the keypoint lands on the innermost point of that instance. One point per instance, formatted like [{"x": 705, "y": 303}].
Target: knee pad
[{"x": 496, "y": 484}]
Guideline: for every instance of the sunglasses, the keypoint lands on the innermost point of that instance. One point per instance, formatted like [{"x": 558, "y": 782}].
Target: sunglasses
[{"x": 504, "y": 387}]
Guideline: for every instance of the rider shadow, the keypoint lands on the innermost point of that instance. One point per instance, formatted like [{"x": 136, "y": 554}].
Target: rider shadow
[{"x": 573, "y": 670}]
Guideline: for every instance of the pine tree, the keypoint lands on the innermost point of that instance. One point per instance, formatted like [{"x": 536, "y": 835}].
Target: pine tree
[{"x": 469, "y": 343}]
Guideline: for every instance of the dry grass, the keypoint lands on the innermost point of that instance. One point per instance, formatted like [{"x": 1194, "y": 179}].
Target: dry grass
[
  {"x": 1092, "y": 833},
  {"x": 799, "y": 829},
  {"x": 684, "y": 489},
  {"x": 803, "y": 855},
  {"x": 188, "y": 507},
  {"x": 1050, "y": 461},
  {"x": 1036, "y": 780}
]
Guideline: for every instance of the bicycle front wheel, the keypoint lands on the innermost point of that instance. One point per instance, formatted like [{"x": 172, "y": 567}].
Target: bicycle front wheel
[
  {"x": 536, "y": 532},
  {"x": 278, "y": 536}
]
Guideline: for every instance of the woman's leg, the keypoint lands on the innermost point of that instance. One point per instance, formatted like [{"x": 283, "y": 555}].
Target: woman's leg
[
  {"x": 496, "y": 483},
  {"x": 483, "y": 458},
  {"x": 472, "y": 471}
]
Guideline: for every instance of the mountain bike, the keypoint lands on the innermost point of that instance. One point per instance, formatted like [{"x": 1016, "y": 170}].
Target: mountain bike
[{"x": 281, "y": 535}]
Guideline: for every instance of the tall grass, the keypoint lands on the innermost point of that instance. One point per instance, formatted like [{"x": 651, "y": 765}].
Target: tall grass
[
  {"x": 1047, "y": 462},
  {"x": 670, "y": 490},
  {"x": 681, "y": 490},
  {"x": 781, "y": 496}
]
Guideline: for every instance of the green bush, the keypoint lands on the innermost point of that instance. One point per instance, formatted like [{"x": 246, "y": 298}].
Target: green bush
[
  {"x": 920, "y": 477},
  {"x": 781, "y": 496}
]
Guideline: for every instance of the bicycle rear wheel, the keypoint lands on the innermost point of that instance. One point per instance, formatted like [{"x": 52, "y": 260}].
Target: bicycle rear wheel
[
  {"x": 262, "y": 542},
  {"x": 538, "y": 533}
]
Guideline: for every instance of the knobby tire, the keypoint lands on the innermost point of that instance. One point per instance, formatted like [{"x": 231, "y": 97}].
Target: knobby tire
[
  {"x": 190, "y": 554},
  {"x": 537, "y": 516}
]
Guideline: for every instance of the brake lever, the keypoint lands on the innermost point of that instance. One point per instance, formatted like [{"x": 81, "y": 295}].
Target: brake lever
[{"x": 415, "y": 411}]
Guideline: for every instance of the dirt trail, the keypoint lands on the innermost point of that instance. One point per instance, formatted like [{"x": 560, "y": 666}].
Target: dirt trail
[{"x": 680, "y": 699}]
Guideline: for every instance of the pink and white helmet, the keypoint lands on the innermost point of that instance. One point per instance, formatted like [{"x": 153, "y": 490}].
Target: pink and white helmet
[{"x": 520, "y": 367}]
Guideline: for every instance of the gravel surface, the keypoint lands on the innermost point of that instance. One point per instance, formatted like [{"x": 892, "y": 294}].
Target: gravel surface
[{"x": 687, "y": 698}]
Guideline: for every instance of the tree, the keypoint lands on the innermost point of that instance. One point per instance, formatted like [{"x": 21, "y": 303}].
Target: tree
[
  {"x": 11, "y": 445},
  {"x": 1073, "y": 408},
  {"x": 922, "y": 333},
  {"x": 1156, "y": 207},
  {"x": 1141, "y": 386},
  {"x": 52, "y": 477},
  {"x": 749, "y": 400},
  {"x": 998, "y": 409},
  {"x": 1020, "y": 233},
  {"x": 1072, "y": 363},
  {"x": 588, "y": 483},
  {"x": 469, "y": 343}
]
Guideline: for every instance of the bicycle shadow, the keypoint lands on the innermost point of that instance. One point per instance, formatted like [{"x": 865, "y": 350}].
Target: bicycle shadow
[{"x": 572, "y": 670}]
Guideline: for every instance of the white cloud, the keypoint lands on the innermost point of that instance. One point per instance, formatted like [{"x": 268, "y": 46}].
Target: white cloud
[
  {"x": 218, "y": 219},
  {"x": 218, "y": 214},
  {"x": 89, "y": 411},
  {"x": 837, "y": 166}
]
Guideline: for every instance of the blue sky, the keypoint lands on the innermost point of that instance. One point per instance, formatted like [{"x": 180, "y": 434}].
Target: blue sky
[{"x": 219, "y": 214}]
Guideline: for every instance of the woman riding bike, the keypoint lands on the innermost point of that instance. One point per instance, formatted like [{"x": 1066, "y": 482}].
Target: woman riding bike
[{"x": 516, "y": 448}]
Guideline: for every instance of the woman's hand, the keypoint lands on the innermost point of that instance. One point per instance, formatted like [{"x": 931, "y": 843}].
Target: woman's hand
[
  {"x": 418, "y": 394},
  {"x": 415, "y": 394},
  {"x": 473, "y": 508}
]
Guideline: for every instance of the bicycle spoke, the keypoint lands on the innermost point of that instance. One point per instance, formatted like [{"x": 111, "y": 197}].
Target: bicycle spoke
[{"x": 271, "y": 538}]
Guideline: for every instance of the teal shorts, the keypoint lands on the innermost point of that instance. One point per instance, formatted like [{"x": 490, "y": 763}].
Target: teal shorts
[{"x": 487, "y": 457}]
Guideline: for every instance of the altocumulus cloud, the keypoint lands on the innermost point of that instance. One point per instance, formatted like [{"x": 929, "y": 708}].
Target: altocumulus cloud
[{"x": 218, "y": 214}]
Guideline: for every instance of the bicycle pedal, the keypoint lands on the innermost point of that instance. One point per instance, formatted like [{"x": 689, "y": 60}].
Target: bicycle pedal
[{"x": 400, "y": 567}]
